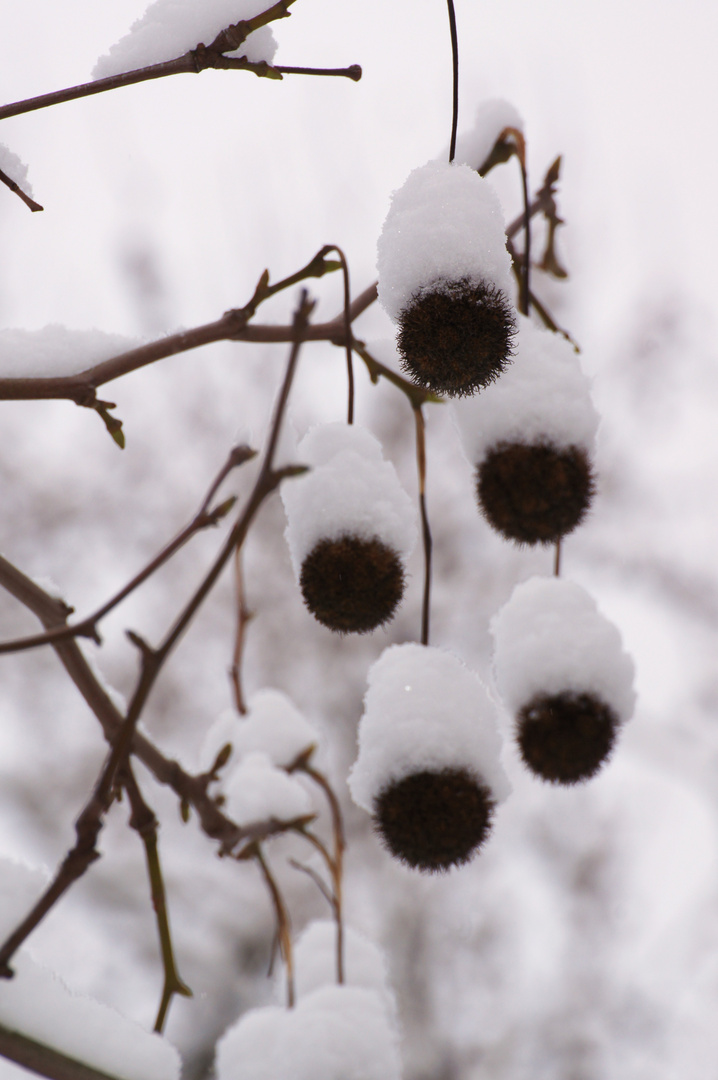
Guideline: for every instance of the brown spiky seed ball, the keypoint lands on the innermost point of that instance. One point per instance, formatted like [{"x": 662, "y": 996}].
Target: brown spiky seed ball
[
  {"x": 434, "y": 820},
  {"x": 535, "y": 493},
  {"x": 567, "y": 737},
  {"x": 456, "y": 337},
  {"x": 352, "y": 585}
]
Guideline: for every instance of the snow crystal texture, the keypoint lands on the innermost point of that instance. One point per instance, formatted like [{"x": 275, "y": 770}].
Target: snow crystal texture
[
  {"x": 444, "y": 224},
  {"x": 349, "y": 489},
  {"x": 542, "y": 397},
  {"x": 492, "y": 117},
  {"x": 335, "y": 1033},
  {"x": 273, "y": 725},
  {"x": 170, "y": 28},
  {"x": 424, "y": 710},
  {"x": 549, "y": 638}
]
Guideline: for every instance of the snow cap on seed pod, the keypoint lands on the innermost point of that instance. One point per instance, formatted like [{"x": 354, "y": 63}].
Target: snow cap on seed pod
[
  {"x": 351, "y": 527},
  {"x": 428, "y": 768},
  {"x": 444, "y": 278},
  {"x": 473, "y": 147},
  {"x": 273, "y": 725},
  {"x": 334, "y": 1033},
  {"x": 564, "y": 676},
  {"x": 531, "y": 438}
]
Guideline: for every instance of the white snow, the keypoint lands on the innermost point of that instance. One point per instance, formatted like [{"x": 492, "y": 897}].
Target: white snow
[
  {"x": 444, "y": 224},
  {"x": 37, "y": 1003},
  {"x": 170, "y": 28},
  {"x": 334, "y": 1033},
  {"x": 424, "y": 709},
  {"x": 16, "y": 169},
  {"x": 492, "y": 117},
  {"x": 315, "y": 961},
  {"x": 257, "y": 791},
  {"x": 57, "y": 350},
  {"x": 542, "y": 397},
  {"x": 273, "y": 725},
  {"x": 350, "y": 489},
  {"x": 550, "y": 637}
]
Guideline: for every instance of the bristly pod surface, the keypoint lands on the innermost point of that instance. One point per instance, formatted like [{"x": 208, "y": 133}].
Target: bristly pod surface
[
  {"x": 563, "y": 674},
  {"x": 531, "y": 439},
  {"x": 428, "y": 768},
  {"x": 444, "y": 279},
  {"x": 351, "y": 527}
]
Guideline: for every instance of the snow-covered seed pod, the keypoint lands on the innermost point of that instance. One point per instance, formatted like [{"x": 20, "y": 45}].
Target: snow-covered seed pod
[
  {"x": 531, "y": 438},
  {"x": 351, "y": 527},
  {"x": 428, "y": 768},
  {"x": 563, "y": 674},
  {"x": 332, "y": 1032},
  {"x": 444, "y": 278}
]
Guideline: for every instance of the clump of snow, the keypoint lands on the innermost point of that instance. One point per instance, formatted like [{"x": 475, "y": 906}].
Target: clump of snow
[
  {"x": 424, "y": 710},
  {"x": 315, "y": 962},
  {"x": 56, "y": 350},
  {"x": 273, "y": 725},
  {"x": 334, "y": 1033},
  {"x": 16, "y": 169},
  {"x": 170, "y": 28},
  {"x": 542, "y": 397},
  {"x": 37, "y": 1004},
  {"x": 444, "y": 224},
  {"x": 258, "y": 791},
  {"x": 492, "y": 117},
  {"x": 349, "y": 489},
  {"x": 549, "y": 638}
]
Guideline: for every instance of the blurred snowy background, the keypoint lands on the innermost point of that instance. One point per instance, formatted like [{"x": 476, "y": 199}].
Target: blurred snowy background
[{"x": 583, "y": 942}]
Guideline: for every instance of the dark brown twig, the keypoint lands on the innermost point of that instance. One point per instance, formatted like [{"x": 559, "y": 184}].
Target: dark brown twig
[
  {"x": 244, "y": 616},
  {"x": 144, "y": 822},
  {"x": 203, "y": 519},
  {"x": 17, "y": 190},
  {"x": 233, "y": 326},
  {"x": 425, "y": 528},
  {"x": 43, "y": 1060},
  {"x": 455, "y": 78}
]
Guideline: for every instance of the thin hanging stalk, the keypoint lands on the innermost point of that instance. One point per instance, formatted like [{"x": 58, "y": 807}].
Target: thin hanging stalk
[
  {"x": 455, "y": 71},
  {"x": 425, "y": 529}
]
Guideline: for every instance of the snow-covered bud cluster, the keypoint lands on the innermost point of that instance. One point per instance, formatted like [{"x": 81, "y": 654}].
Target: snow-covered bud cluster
[
  {"x": 563, "y": 674},
  {"x": 333, "y": 1032},
  {"x": 428, "y": 768},
  {"x": 262, "y": 746},
  {"x": 444, "y": 278},
  {"x": 531, "y": 438},
  {"x": 351, "y": 527}
]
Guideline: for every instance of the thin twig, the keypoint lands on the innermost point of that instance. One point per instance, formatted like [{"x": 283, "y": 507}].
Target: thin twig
[
  {"x": 284, "y": 934},
  {"x": 204, "y": 518},
  {"x": 17, "y": 190},
  {"x": 192, "y": 62},
  {"x": 336, "y": 865},
  {"x": 455, "y": 78},
  {"x": 557, "y": 559},
  {"x": 44, "y": 1060},
  {"x": 425, "y": 528},
  {"x": 233, "y": 326},
  {"x": 191, "y": 790},
  {"x": 144, "y": 822},
  {"x": 243, "y": 618},
  {"x": 347, "y": 331}
]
